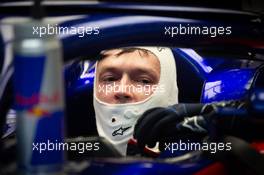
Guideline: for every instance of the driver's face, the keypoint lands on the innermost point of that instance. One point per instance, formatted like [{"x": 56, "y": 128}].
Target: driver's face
[{"x": 128, "y": 77}]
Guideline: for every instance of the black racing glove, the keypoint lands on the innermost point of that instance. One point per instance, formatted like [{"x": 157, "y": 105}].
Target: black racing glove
[{"x": 163, "y": 124}]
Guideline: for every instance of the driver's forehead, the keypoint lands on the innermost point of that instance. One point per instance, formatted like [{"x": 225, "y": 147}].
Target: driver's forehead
[{"x": 116, "y": 59}]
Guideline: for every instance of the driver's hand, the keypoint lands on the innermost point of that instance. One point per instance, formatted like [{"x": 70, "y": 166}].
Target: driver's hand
[{"x": 163, "y": 124}]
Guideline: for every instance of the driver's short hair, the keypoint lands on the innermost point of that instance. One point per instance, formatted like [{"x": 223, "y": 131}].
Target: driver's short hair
[{"x": 141, "y": 52}]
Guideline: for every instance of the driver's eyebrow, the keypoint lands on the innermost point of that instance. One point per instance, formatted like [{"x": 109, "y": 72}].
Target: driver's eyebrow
[
  {"x": 144, "y": 70},
  {"x": 109, "y": 69},
  {"x": 148, "y": 71}
]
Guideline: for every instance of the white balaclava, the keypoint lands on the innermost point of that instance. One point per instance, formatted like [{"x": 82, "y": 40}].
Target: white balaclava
[{"x": 125, "y": 115}]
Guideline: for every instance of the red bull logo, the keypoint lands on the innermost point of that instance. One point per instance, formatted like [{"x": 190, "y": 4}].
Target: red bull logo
[
  {"x": 36, "y": 99},
  {"x": 32, "y": 103},
  {"x": 39, "y": 112}
]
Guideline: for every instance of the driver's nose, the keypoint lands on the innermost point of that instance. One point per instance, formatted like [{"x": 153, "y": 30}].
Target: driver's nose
[{"x": 124, "y": 94}]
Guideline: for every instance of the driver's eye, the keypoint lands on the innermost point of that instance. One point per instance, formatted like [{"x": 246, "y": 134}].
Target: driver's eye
[
  {"x": 144, "y": 81},
  {"x": 109, "y": 78}
]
